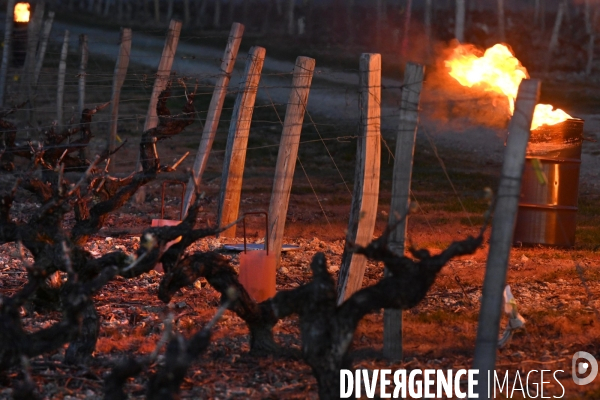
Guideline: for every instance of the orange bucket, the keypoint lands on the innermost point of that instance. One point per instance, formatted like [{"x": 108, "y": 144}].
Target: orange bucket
[{"x": 257, "y": 267}]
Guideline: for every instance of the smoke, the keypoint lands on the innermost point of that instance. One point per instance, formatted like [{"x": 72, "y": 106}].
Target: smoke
[{"x": 457, "y": 107}]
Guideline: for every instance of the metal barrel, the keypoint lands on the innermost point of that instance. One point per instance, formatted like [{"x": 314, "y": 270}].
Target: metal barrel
[{"x": 549, "y": 189}]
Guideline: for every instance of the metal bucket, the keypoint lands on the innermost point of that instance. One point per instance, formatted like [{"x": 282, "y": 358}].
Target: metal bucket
[{"x": 548, "y": 210}]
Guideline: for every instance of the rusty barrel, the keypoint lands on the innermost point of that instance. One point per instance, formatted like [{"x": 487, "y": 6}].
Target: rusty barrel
[{"x": 549, "y": 189}]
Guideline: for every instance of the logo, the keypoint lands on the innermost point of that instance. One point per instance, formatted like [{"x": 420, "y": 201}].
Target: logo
[{"x": 580, "y": 368}]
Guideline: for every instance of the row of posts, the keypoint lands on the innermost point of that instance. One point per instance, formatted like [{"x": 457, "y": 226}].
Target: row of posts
[{"x": 366, "y": 187}]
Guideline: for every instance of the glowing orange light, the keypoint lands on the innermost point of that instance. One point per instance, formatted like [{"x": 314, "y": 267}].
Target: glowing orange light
[
  {"x": 499, "y": 71},
  {"x": 22, "y": 12}
]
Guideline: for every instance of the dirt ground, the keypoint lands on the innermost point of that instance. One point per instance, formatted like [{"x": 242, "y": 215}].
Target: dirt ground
[{"x": 561, "y": 319}]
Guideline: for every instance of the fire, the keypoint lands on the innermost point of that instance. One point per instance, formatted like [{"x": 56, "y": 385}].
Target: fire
[
  {"x": 498, "y": 70},
  {"x": 22, "y": 12}
]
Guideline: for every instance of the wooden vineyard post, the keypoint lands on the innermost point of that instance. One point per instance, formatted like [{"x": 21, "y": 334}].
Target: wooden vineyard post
[
  {"x": 363, "y": 210},
  {"x": 459, "y": 25},
  {"x": 83, "y": 51},
  {"x": 8, "y": 31},
  {"x": 288, "y": 152},
  {"x": 214, "y": 112},
  {"x": 503, "y": 224},
  {"x": 501, "y": 21},
  {"x": 237, "y": 141},
  {"x": 401, "y": 182},
  {"x": 562, "y": 8},
  {"x": 41, "y": 53},
  {"x": 163, "y": 74},
  {"x": 186, "y": 12},
  {"x": 157, "y": 11},
  {"x": 118, "y": 79},
  {"x": 62, "y": 69},
  {"x": 428, "y": 18},
  {"x": 590, "y": 28},
  {"x": 33, "y": 32}
]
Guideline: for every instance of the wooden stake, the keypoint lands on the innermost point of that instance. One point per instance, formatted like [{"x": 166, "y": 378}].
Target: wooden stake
[
  {"x": 33, "y": 35},
  {"x": 459, "y": 24},
  {"x": 157, "y": 11},
  {"x": 555, "y": 33},
  {"x": 39, "y": 58},
  {"x": 401, "y": 182},
  {"x": 350, "y": 28},
  {"x": 543, "y": 16},
  {"x": 120, "y": 9},
  {"x": 163, "y": 74},
  {"x": 107, "y": 9},
  {"x": 381, "y": 12},
  {"x": 405, "y": 36},
  {"x": 505, "y": 213},
  {"x": 288, "y": 152},
  {"x": 201, "y": 13},
  {"x": 98, "y": 8},
  {"x": 237, "y": 141},
  {"x": 83, "y": 51},
  {"x": 186, "y": 12},
  {"x": 501, "y": 29},
  {"x": 214, "y": 112},
  {"x": 590, "y": 20},
  {"x": 428, "y": 18},
  {"x": 217, "y": 15},
  {"x": 118, "y": 79},
  {"x": 60, "y": 89},
  {"x": 363, "y": 210},
  {"x": 8, "y": 30},
  {"x": 170, "y": 10}
]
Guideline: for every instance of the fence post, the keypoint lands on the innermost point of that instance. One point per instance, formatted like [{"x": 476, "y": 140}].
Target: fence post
[
  {"x": 170, "y": 9},
  {"x": 288, "y": 152},
  {"x": 401, "y": 182},
  {"x": 186, "y": 12},
  {"x": 237, "y": 141},
  {"x": 83, "y": 51},
  {"x": 33, "y": 32},
  {"x": 157, "y": 11},
  {"x": 503, "y": 224},
  {"x": 363, "y": 211},
  {"x": 39, "y": 58},
  {"x": 118, "y": 79},
  {"x": 163, "y": 74},
  {"x": 214, "y": 112},
  {"x": 460, "y": 16},
  {"x": 62, "y": 69},
  {"x": 8, "y": 30},
  {"x": 562, "y": 8}
]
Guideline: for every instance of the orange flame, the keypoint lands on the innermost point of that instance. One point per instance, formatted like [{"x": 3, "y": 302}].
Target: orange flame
[
  {"x": 22, "y": 12},
  {"x": 498, "y": 70}
]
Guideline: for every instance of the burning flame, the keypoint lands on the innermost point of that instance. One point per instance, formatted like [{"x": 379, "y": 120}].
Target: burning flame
[
  {"x": 498, "y": 71},
  {"x": 22, "y": 12}
]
